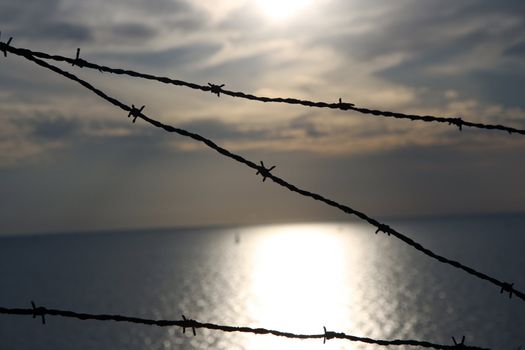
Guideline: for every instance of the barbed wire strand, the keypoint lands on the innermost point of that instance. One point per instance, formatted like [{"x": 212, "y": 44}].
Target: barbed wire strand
[
  {"x": 265, "y": 173},
  {"x": 193, "y": 325},
  {"x": 219, "y": 89}
]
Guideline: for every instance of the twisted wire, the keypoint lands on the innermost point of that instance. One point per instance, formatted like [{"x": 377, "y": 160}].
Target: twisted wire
[
  {"x": 193, "y": 324},
  {"x": 265, "y": 173},
  {"x": 218, "y": 89}
]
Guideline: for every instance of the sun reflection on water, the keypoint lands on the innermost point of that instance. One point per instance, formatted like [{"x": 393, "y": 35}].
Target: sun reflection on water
[{"x": 301, "y": 280}]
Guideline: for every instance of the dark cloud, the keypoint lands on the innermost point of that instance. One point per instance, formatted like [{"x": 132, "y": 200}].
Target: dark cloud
[
  {"x": 426, "y": 29},
  {"x": 498, "y": 85},
  {"x": 307, "y": 124},
  {"x": 41, "y": 127},
  {"x": 58, "y": 31},
  {"x": 54, "y": 20},
  {"x": 55, "y": 128},
  {"x": 176, "y": 56},
  {"x": 45, "y": 127},
  {"x": 158, "y": 6},
  {"x": 501, "y": 86},
  {"x": 136, "y": 31},
  {"x": 440, "y": 35},
  {"x": 41, "y": 20},
  {"x": 219, "y": 130},
  {"x": 24, "y": 12},
  {"x": 517, "y": 50},
  {"x": 10, "y": 80}
]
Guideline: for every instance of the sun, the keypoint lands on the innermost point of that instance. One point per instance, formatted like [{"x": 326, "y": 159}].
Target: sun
[{"x": 280, "y": 10}]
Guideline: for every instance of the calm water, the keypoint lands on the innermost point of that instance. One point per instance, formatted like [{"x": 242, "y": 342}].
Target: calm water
[{"x": 289, "y": 277}]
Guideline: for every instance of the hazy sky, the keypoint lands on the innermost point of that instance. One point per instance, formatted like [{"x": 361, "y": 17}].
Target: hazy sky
[{"x": 70, "y": 161}]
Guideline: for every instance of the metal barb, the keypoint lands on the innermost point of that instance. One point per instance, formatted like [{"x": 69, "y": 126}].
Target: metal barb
[
  {"x": 4, "y": 50},
  {"x": 186, "y": 321},
  {"x": 383, "y": 228},
  {"x": 37, "y": 311},
  {"x": 216, "y": 89},
  {"x": 77, "y": 59},
  {"x": 135, "y": 113},
  {"x": 327, "y": 335},
  {"x": 459, "y": 345},
  {"x": 457, "y": 122},
  {"x": 507, "y": 287},
  {"x": 344, "y": 106},
  {"x": 79, "y": 62},
  {"x": 265, "y": 172}
]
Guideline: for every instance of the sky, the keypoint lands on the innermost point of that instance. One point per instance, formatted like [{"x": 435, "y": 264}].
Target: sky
[{"x": 71, "y": 162}]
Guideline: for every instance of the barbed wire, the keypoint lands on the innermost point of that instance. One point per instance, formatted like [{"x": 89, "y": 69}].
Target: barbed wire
[
  {"x": 219, "y": 89},
  {"x": 185, "y": 323},
  {"x": 266, "y": 173}
]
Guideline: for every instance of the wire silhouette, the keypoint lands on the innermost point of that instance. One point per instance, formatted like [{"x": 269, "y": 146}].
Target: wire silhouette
[
  {"x": 219, "y": 89},
  {"x": 265, "y": 172},
  {"x": 193, "y": 324}
]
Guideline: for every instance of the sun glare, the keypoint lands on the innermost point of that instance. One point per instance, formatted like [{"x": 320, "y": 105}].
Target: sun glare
[
  {"x": 300, "y": 279},
  {"x": 281, "y": 9}
]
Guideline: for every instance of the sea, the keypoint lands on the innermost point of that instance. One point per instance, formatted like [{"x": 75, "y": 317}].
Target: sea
[{"x": 297, "y": 277}]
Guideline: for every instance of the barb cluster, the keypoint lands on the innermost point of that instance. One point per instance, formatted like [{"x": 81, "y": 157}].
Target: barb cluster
[
  {"x": 193, "y": 324},
  {"x": 218, "y": 90}
]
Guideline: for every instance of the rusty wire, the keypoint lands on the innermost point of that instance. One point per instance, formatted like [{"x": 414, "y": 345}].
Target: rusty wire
[
  {"x": 265, "y": 173},
  {"x": 193, "y": 325},
  {"x": 219, "y": 89}
]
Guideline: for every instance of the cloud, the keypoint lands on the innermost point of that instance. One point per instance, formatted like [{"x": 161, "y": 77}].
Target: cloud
[
  {"x": 425, "y": 29},
  {"x": 436, "y": 45},
  {"x": 18, "y": 146},
  {"x": 53, "y": 128},
  {"x": 57, "y": 31},
  {"x": 34, "y": 134},
  {"x": 133, "y": 30},
  {"x": 517, "y": 50},
  {"x": 18, "y": 11},
  {"x": 95, "y": 22},
  {"x": 219, "y": 130},
  {"x": 41, "y": 20},
  {"x": 400, "y": 56},
  {"x": 307, "y": 124},
  {"x": 172, "y": 57}
]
